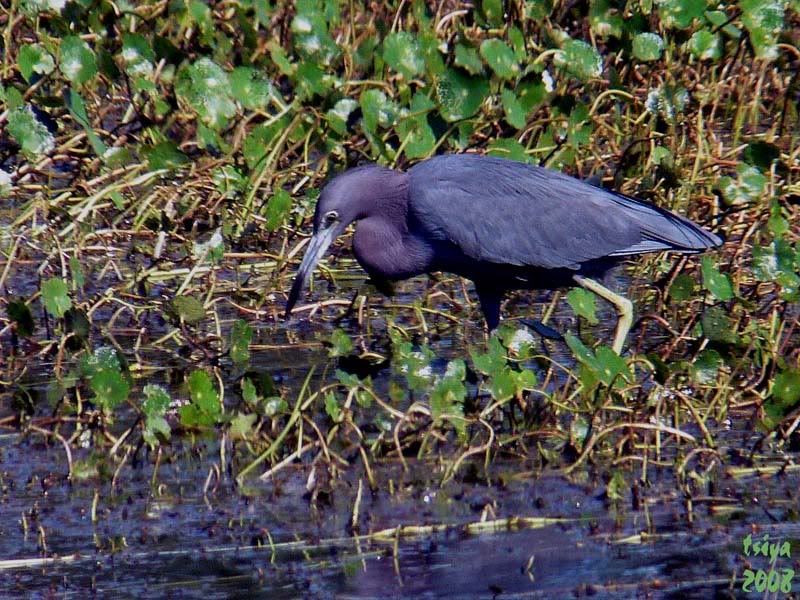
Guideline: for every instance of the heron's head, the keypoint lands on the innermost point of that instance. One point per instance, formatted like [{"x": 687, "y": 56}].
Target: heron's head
[{"x": 347, "y": 198}]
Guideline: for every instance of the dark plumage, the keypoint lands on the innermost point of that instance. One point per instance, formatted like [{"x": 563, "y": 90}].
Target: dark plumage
[{"x": 503, "y": 224}]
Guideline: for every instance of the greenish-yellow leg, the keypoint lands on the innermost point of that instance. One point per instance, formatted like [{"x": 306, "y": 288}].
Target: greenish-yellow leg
[{"x": 623, "y": 305}]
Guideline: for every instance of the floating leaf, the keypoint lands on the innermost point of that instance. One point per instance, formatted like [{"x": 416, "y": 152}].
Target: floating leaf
[
  {"x": 761, "y": 155},
  {"x": 204, "y": 408},
  {"x": 20, "y": 314},
  {"x": 579, "y": 59},
  {"x": 500, "y": 58},
  {"x": 401, "y": 51},
  {"x": 468, "y": 58},
  {"x": 715, "y": 282},
  {"x": 250, "y": 88},
  {"x": 77, "y": 109},
  {"x": 786, "y": 388},
  {"x": 748, "y": 186},
  {"x": 205, "y": 87},
  {"x": 493, "y": 361},
  {"x": 493, "y": 12},
  {"x": 667, "y": 101},
  {"x": 764, "y": 22},
  {"x": 516, "y": 115},
  {"x": 503, "y": 385},
  {"x": 189, "y": 309},
  {"x": 33, "y": 59},
  {"x": 164, "y": 155},
  {"x": 77, "y": 60},
  {"x": 378, "y": 110},
  {"x": 332, "y": 408},
  {"x": 460, "y": 96},
  {"x": 680, "y": 14},
  {"x": 56, "y": 297},
  {"x": 717, "y": 325},
  {"x": 605, "y": 19},
  {"x": 30, "y": 133},
  {"x": 241, "y": 336},
  {"x": 278, "y": 209},
  {"x": 415, "y": 131},
  {"x": 648, "y": 46},
  {"x": 110, "y": 388},
  {"x": 341, "y": 344},
  {"x": 682, "y": 288},
  {"x": 583, "y": 303},
  {"x": 706, "y": 366},
  {"x": 137, "y": 55},
  {"x": 705, "y": 45},
  {"x": 155, "y": 405},
  {"x": 339, "y": 115},
  {"x": 242, "y": 426}
]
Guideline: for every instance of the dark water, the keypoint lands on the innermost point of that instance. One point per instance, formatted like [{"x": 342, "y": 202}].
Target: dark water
[{"x": 188, "y": 534}]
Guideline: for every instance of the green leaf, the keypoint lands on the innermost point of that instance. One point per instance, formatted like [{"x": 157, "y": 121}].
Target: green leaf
[
  {"x": 679, "y": 14},
  {"x": 205, "y": 87},
  {"x": 667, "y": 101},
  {"x": 516, "y": 115},
  {"x": 786, "y": 388},
  {"x": 56, "y": 297},
  {"x": 312, "y": 80},
  {"x": 749, "y": 185},
  {"x": 717, "y": 326},
  {"x": 332, "y": 408},
  {"x": 460, "y": 96},
  {"x": 156, "y": 401},
  {"x": 415, "y": 132},
  {"x": 583, "y": 303},
  {"x": 110, "y": 388},
  {"x": 137, "y": 55},
  {"x": 706, "y": 366},
  {"x": 341, "y": 344},
  {"x": 616, "y": 487},
  {"x": 103, "y": 358},
  {"x": 338, "y": 116},
  {"x": 401, "y": 51},
  {"x": 705, "y": 45},
  {"x": 241, "y": 336},
  {"x": 251, "y": 88},
  {"x": 682, "y": 288},
  {"x": 492, "y": 361},
  {"x": 605, "y": 19},
  {"x": 77, "y": 109},
  {"x": 508, "y": 148},
  {"x": 205, "y": 408},
  {"x": 500, "y": 58},
  {"x": 579, "y": 59},
  {"x": 648, "y": 46},
  {"x": 493, "y": 12},
  {"x": 242, "y": 426},
  {"x": 258, "y": 143},
  {"x": 538, "y": 9},
  {"x": 34, "y": 59},
  {"x": 164, "y": 155},
  {"x": 189, "y": 309},
  {"x": 762, "y": 155},
  {"x": 278, "y": 209},
  {"x": 503, "y": 385},
  {"x": 20, "y": 314},
  {"x": 34, "y": 138},
  {"x": 612, "y": 368},
  {"x": 77, "y": 60},
  {"x": 378, "y": 110},
  {"x": 468, "y": 58},
  {"x": 715, "y": 282},
  {"x": 764, "y": 22}
]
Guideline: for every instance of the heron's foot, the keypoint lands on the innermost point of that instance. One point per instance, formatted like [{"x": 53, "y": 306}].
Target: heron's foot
[
  {"x": 384, "y": 286},
  {"x": 543, "y": 330}
]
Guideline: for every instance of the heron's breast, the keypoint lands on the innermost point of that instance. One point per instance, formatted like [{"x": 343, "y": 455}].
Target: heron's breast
[{"x": 384, "y": 250}]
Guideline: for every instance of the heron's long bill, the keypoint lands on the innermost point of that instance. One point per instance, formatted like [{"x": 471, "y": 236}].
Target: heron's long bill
[{"x": 317, "y": 248}]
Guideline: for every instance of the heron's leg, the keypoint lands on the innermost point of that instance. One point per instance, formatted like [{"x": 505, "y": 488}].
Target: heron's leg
[
  {"x": 490, "y": 298},
  {"x": 623, "y": 305}
]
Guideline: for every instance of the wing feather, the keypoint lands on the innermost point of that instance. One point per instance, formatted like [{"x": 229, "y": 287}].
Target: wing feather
[{"x": 502, "y": 211}]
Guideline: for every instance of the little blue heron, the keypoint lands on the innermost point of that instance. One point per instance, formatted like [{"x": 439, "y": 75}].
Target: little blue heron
[{"x": 503, "y": 224}]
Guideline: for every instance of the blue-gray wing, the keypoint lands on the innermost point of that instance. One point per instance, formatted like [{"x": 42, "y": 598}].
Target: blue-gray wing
[{"x": 503, "y": 211}]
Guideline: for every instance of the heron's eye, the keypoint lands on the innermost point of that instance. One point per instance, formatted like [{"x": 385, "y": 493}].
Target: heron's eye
[{"x": 331, "y": 217}]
